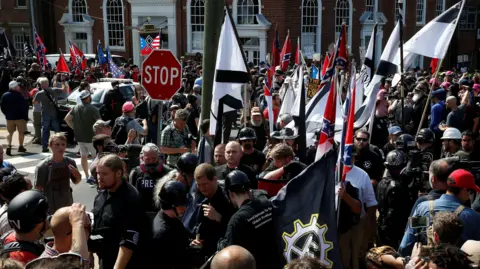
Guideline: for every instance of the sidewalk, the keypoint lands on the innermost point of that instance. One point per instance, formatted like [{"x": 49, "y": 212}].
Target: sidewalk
[{"x": 3, "y": 138}]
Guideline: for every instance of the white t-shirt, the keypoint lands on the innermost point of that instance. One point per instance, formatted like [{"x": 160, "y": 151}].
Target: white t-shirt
[
  {"x": 4, "y": 225},
  {"x": 360, "y": 180}
]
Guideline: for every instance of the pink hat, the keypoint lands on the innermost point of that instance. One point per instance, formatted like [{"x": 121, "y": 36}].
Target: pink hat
[
  {"x": 476, "y": 87},
  {"x": 128, "y": 107},
  {"x": 449, "y": 73},
  {"x": 436, "y": 81},
  {"x": 446, "y": 85}
]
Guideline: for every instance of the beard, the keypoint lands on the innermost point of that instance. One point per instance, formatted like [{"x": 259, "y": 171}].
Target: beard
[
  {"x": 417, "y": 96},
  {"x": 256, "y": 123}
]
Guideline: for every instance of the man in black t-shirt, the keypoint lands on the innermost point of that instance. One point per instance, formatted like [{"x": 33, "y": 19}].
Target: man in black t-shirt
[
  {"x": 233, "y": 154},
  {"x": 251, "y": 157},
  {"x": 369, "y": 158}
]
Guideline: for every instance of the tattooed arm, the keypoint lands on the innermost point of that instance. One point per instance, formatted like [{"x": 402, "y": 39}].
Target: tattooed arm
[{"x": 79, "y": 221}]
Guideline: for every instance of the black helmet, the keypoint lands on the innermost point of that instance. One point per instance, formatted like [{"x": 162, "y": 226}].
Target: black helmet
[
  {"x": 237, "y": 181},
  {"x": 405, "y": 142},
  {"x": 187, "y": 163},
  {"x": 26, "y": 210},
  {"x": 247, "y": 133},
  {"x": 173, "y": 194},
  {"x": 396, "y": 160},
  {"x": 425, "y": 135}
]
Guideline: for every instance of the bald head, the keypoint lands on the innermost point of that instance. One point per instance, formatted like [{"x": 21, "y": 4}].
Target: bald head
[
  {"x": 233, "y": 153},
  {"x": 233, "y": 257},
  {"x": 60, "y": 223}
]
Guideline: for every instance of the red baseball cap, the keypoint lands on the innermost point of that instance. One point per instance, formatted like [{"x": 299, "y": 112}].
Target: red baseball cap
[
  {"x": 463, "y": 179},
  {"x": 128, "y": 107}
]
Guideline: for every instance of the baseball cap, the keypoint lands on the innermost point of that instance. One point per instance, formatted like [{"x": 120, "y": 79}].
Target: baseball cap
[
  {"x": 256, "y": 111},
  {"x": 463, "y": 179},
  {"x": 395, "y": 130},
  {"x": 100, "y": 124},
  {"x": 84, "y": 94},
  {"x": 439, "y": 93},
  {"x": 174, "y": 106},
  {"x": 12, "y": 84},
  {"x": 446, "y": 84},
  {"x": 128, "y": 107},
  {"x": 449, "y": 73},
  {"x": 476, "y": 87},
  {"x": 472, "y": 248}
]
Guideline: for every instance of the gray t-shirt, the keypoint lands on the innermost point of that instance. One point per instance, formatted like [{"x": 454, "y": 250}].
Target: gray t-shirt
[
  {"x": 84, "y": 116},
  {"x": 48, "y": 109},
  {"x": 456, "y": 118}
]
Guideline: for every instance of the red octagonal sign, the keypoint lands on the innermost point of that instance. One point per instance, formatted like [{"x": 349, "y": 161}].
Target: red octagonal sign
[{"x": 161, "y": 74}]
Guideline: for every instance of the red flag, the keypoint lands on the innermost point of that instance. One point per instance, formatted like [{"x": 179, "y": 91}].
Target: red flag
[
  {"x": 79, "y": 61},
  {"x": 275, "y": 51},
  {"x": 326, "y": 62},
  {"x": 297, "y": 54},
  {"x": 347, "y": 151},
  {"x": 62, "y": 66},
  {"x": 286, "y": 54},
  {"x": 342, "y": 59},
  {"x": 434, "y": 65},
  {"x": 327, "y": 134}
]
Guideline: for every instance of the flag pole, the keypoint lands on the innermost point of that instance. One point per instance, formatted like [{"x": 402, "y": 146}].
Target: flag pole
[{"x": 402, "y": 88}]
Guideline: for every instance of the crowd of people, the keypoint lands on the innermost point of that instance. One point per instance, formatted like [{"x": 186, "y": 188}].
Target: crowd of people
[{"x": 182, "y": 201}]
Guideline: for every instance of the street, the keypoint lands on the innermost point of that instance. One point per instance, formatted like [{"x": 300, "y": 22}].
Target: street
[{"x": 26, "y": 162}]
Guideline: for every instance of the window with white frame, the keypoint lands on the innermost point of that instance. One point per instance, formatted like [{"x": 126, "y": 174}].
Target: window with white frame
[
  {"x": 342, "y": 15},
  {"x": 18, "y": 43},
  {"x": 421, "y": 11},
  {"x": 197, "y": 21},
  {"x": 310, "y": 25},
  {"x": 247, "y": 11},
  {"x": 468, "y": 19},
  {"x": 79, "y": 8},
  {"x": 400, "y": 10},
  {"x": 21, "y": 3},
  {"x": 440, "y": 7},
  {"x": 114, "y": 22},
  {"x": 370, "y": 7},
  {"x": 251, "y": 48}
]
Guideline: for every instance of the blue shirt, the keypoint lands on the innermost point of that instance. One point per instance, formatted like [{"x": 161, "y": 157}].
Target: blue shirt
[
  {"x": 199, "y": 81},
  {"x": 194, "y": 202},
  {"x": 446, "y": 203},
  {"x": 437, "y": 114},
  {"x": 432, "y": 195},
  {"x": 6, "y": 164}
]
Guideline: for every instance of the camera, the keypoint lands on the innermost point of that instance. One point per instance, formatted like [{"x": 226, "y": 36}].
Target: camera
[
  {"x": 418, "y": 222},
  {"x": 188, "y": 140}
]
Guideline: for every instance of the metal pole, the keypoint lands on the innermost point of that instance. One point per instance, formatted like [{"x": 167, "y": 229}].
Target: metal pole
[
  {"x": 160, "y": 122},
  {"x": 32, "y": 18},
  {"x": 213, "y": 24},
  {"x": 245, "y": 103}
]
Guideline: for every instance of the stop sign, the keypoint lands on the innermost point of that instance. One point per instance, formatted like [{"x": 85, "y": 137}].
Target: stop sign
[{"x": 161, "y": 74}]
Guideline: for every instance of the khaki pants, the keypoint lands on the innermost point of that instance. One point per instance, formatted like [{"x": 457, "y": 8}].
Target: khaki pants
[
  {"x": 16, "y": 125},
  {"x": 350, "y": 246}
]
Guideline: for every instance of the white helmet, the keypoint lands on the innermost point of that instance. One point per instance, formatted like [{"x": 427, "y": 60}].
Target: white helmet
[{"x": 452, "y": 133}]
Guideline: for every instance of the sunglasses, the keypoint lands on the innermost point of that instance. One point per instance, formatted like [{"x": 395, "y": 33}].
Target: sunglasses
[{"x": 359, "y": 139}]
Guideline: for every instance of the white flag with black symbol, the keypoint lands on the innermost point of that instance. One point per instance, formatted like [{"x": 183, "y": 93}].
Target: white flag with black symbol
[
  {"x": 434, "y": 38},
  {"x": 230, "y": 74},
  {"x": 367, "y": 71}
]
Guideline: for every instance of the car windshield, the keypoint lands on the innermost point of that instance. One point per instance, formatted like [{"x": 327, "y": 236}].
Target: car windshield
[
  {"x": 127, "y": 91},
  {"x": 97, "y": 95},
  {"x": 73, "y": 96}
]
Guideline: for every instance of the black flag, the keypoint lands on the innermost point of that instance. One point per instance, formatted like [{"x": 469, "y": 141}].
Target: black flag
[{"x": 304, "y": 215}]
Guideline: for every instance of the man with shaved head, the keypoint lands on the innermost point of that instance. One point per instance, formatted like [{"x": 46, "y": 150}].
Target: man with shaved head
[
  {"x": 233, "y": 154},
  {"x": 219, "y": 155},
  {"x": 71, "y": 228},
  {"x": 233, "y": 257}
]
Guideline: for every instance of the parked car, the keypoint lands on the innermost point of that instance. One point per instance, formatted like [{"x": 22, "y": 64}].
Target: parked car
[
  {"x": 98, "y": 89},
  {"x": 117, "y": 59}
]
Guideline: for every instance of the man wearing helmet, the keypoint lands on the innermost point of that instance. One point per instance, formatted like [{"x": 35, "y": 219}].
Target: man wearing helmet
[
  {"x": 27, "y": 214},
  {"x": 251, "y": 226},
  {"x": 425, "y": 143},
  {"x": 451, "y": 142},
  {"x": 251, "y": 156},
  {"x": 393, "y": 202},
  {"x": 144, "y": 176},
  {"x": 170, "y": 239}
]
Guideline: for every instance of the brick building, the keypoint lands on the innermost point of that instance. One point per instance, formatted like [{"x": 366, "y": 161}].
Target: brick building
[{"x": 315, "y": 22}]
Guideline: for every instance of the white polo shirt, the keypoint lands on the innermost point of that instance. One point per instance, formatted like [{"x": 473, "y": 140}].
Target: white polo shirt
[{"x": 360, "y": 180}]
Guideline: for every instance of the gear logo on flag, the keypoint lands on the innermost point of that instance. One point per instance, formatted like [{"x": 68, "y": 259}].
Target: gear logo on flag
[{"x": 307, "y": 240}]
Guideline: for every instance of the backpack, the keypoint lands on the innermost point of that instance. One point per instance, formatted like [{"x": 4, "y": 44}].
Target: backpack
[
  {"x": 431, "y": 204},
  {"x": 119, "y": 131},
  {"x": 24, "y": 246}
]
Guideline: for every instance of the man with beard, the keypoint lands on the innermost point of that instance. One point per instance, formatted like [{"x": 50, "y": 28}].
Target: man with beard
[
  {"x": 419, "y": 103},
  {"x": 369, "y": 158},
  {"x": 468, "y": 145},
  {"x": 451, "y": 142},
  {"x": 251, "y": 157},
  {"x": 258, "y": 125},
  {"x": 233, "y": 154}
]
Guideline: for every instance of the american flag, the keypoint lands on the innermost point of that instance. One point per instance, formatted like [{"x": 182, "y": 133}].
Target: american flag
[
  {"x": 148, "y": 44},
  {"x": 112, "y": 67},
  {"x": 27, "y": 48},
  {"x": 40, "y": 49}
]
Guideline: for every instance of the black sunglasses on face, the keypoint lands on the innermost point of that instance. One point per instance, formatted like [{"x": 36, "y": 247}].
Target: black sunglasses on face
[{"x": 359, "y": 139}]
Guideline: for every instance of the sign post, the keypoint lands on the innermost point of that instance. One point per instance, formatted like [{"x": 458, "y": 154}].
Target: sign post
[{"x": 162, "y": 78}]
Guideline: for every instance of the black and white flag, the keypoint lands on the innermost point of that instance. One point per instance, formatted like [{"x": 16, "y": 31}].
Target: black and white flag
[
  {"x": 367, "y": 70},
  {"x": 230, "y": 74}
]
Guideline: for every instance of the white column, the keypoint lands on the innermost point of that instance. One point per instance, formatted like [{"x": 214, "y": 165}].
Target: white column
[
  {"x": 263, "y": 46},
  {"x": 136, "y": 42},
  {"x": 172, "y": 35},
  {"x": 379, "y": 48},
  {"x": 68, "y": 36},
  {"x": 90, "y": 40}
]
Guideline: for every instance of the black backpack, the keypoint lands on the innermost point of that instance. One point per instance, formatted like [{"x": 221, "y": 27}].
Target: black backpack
[
  {"x": 119, "y": 132},
  {"x": 31, "y": 247}
]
